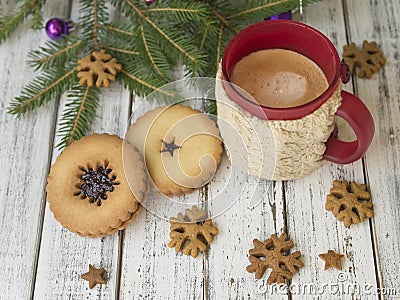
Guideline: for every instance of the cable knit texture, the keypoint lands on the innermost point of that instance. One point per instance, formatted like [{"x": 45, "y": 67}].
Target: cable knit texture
[{"x": 277, "y": 150}]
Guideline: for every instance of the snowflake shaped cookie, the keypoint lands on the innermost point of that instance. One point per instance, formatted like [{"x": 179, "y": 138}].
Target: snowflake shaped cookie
[
  {"x": 370, "y": 58},
  {"x": 99, "y": 68},
  {"x": 191, "y": 233},
  {"x": 349, "y": 202},
  {"x": 274, "y": 253}
]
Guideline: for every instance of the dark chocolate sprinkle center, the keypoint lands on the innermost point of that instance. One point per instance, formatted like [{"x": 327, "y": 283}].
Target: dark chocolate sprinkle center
[{"x": 96, "y": 184}]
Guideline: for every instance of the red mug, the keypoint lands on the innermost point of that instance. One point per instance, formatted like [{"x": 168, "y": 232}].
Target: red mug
[{"x": 305, "y": 40}]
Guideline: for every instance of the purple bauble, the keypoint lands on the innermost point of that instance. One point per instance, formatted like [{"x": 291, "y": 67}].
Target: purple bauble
[
  {"x": 56, "y": 28},
  {"x": 283, "y": 16}
]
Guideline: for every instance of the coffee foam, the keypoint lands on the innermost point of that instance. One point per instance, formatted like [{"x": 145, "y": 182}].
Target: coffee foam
[{"x": 279, "y": 78}]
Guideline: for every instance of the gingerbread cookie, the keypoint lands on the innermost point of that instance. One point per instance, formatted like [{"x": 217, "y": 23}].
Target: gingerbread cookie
[
  {"x": 87, "y": 190},
  {"x": 181, "y": 146}
]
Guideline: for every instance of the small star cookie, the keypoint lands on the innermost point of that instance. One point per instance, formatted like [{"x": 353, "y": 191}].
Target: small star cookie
[
  {"x": 94, "y": 276},
  {"x": 332, "y": 259}
]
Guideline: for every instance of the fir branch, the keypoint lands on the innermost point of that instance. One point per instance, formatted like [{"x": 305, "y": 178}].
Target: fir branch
[
  {"x": 258, "y": 8},
  {"x": 221, "y": 31},
  {"x": 144, "y": 83},
  {"x": 10, "y": 22},
  {"x": 95, "y": 25},
  {"x": 171, "y": 9},
  {"x": 203, "y": 39},
  {"x": 221, "y": 18},
  {"x": 42, "y": 89},
  {"x": 178, "y": 11},
  {"x": 121, "y": 50},
  {"x": 119, "y": 30},
  {"x": 80, "y": 111},
  {"x": 94, "y": 14},
  {"x": 37, "y": 20},
  {"x": 160, "y": 31},
  {"x": 56, "y": 53},
  {"x": 148, "y": 51}
]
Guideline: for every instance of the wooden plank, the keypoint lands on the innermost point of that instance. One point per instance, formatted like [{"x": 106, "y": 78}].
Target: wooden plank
[
  {"x": 314, "y": 229},
  {"x": 24, "y": 161},
  {"x": 257, "y": 212},
  {"x": 149, "y": 269},
  {"x": 380, "y": 22},
  {"x": 64, "y": 256}
]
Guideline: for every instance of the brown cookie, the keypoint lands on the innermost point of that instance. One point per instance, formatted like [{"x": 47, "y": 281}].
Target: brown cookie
[
  {"x": 87, "y": 190},
  {"x": 181, "y": 146},
  {"x": 114, "y": 230}
]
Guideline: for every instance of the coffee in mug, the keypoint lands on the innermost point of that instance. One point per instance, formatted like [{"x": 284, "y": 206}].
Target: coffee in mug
[
  {"x": 279, "y": 87},
  {"x": 279, "y": 78}
]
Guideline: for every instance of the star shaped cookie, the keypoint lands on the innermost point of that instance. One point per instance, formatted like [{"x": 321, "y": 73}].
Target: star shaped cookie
[
  {"x": 332, "y": 259},
  {"x": 94, "y": 276}
]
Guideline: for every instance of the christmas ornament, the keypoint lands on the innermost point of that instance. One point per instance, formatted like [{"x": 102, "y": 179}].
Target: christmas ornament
[
  {"x": 282, "y": 16},
  {"x": 56, "y": 28}
]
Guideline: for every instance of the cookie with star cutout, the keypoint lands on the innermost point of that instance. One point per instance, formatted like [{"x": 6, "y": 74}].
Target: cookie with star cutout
[
  {"x": 181, "y": 146},
  {"x": 87, "y": 190}
]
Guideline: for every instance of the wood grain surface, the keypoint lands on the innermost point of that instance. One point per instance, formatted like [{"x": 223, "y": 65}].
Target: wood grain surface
[{"x": 39, "y": 259}]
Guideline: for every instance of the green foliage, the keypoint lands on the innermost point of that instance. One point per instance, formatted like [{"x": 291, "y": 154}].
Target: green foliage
[
  {"x": 51, "y": 84},
  {"x": 149, "y": 41},
  {"x": 57, "y": 53},
  {"x": 9, "y": 22},
  {"x": 79, "y": 113}
]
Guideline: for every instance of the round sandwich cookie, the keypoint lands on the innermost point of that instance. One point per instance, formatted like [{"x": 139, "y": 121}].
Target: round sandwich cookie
[
  {"x": 181, "y": 146},
  {"x": 87, "y": 190}
]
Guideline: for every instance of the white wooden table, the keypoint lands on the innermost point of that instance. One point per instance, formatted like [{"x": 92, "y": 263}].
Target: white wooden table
[{"x": 41, "y": 260}]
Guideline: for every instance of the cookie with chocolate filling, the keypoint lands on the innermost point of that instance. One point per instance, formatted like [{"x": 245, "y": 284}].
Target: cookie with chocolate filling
[{"x": 87, "y": 190}]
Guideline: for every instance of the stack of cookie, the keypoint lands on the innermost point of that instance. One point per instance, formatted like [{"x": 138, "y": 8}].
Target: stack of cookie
[
  {"x": 181, "y": 146},
  {"x": 87, "y": 189}
]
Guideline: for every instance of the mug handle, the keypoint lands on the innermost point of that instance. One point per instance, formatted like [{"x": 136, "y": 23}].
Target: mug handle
[{"x": 357, "y": 115}]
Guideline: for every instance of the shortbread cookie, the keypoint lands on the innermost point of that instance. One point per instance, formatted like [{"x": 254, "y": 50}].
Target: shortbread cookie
[
  {"x": 114, "y": 230},
  {"x": 181, "y": 146},
  {"x": 87, "y": 190}
]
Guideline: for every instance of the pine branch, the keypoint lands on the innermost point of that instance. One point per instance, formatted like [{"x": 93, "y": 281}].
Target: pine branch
[
  {"x": 37, "y": 19},
  {"x": 160, "y": 31},
  {"x": 220, "y": 17},
  {"x": 178, "y": 11},
  {"x": 148, "y": 51},
  {"x": 57, "y": 53},
  {"x": 42, "y": 89},
  {"x": 8, "y": 23},
  {"x": 94, "y": 13},
  {"x": 166, "y": 31},
  {"x": 143, "y": 86},
  {"x": 80, "y": 111},
  {"x": 121, "y": 50},
  {"x": 251, "y": 10}
]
